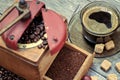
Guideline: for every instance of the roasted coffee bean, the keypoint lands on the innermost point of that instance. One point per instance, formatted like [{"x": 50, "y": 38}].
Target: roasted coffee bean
[
  {"x": 38, "y": 36},
  {"x": 28, "y": 41},
  {"x": 8, "y": 75},
  {"x": 42, "y": 34},
  {"x": 86, "y": 77},
  {"x": 35, "y": 40},
  {"x": 41, "y": 27},
  {"x": 32, "y": 25},
  {"x": 43, "y": 46},
  {"x": 44, "y": 42},
  {"x": 36, "y": 33},
  {"x": 40, "y": 46},
  {"x": 37, "y": 29},
  {"x": 32, "y": 36},
  {"x": 43, "y": 38},
  {"x": 23, "y": 38},
  {"x": 30, "y": 31},
  {"x": 26, "y": 37},
  {"x": 26, "y": 32},
  {"x": 42, "y": 22}
]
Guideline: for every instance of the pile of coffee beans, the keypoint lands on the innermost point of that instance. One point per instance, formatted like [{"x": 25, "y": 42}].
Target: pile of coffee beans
[
  {"x": 8, "y": 75},
  {"x": 35, "y": 32}
]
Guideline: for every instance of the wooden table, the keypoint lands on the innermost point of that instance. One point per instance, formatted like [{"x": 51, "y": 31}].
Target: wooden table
[{"x": 67, "y": 8}]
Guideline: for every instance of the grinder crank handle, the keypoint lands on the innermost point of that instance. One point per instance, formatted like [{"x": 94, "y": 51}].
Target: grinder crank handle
[
  {"x": 24, "y": 13},
  {"x": 6, "y": 12}
]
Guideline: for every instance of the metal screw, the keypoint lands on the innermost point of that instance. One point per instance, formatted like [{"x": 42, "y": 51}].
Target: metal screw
[
  {"x": 11, "y": 37},
  {"x": 37, "y": 2},
  {"x": 55, "y": 40},
  {"x": 23, "y": 4},
  {"x": 24, "y": 46}
]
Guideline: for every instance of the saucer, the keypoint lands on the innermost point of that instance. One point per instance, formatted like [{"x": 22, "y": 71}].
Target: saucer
[{"x": 76, "y": 37}]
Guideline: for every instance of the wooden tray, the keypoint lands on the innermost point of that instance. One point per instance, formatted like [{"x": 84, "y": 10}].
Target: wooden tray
[{"x": 82, "y": 69}]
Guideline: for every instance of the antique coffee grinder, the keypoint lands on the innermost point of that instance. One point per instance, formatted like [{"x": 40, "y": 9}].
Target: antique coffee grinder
[{"x": 31, "y": 37}]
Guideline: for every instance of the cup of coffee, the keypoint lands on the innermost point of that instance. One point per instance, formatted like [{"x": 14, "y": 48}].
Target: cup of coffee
[{"x": 99, "y": 19}]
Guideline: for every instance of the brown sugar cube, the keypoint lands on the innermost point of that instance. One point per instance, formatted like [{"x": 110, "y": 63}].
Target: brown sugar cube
[
  {"x": 117, "y": 65},
  {"x": 112, "y": 77},
  {"x": 94, "y": 77},
  {"x": 105, "y": 65},
  {"x": 109, "y": 45},
  {"x": 99, "y": 48}
]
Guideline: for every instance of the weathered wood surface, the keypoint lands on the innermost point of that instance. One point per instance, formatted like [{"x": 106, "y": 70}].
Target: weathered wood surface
[{"x": 67, "y": 8}]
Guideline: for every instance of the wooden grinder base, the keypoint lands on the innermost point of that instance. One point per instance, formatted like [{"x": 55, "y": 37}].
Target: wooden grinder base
[{"x": 32, "y": 64}]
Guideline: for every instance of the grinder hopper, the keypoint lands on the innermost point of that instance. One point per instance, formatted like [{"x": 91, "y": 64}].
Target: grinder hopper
[{"x": 18, "y": 17}]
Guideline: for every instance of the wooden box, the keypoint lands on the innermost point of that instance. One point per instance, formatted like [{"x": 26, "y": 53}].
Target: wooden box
[
  {"x": 34, "y": 63},
  {"x": 78, "y": 56},
  {"x": 31, "y": 64}
]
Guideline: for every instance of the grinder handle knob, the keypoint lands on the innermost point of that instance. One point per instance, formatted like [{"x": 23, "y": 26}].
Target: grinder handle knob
[{"x": 22, "y": 4}]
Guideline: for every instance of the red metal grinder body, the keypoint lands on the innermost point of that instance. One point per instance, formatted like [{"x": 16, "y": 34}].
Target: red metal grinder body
[{"x": 55, "y": 27}]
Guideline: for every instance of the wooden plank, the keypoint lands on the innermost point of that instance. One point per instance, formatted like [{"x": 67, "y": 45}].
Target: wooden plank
[{"x": 94, "y": 73}]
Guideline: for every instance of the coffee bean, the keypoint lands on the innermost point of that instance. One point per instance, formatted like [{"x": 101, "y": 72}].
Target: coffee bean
[
  {"x": 86, "y": 77},
  {"x": 35, "y": 40},
  {"x": 39, "y": 36},
  {"x": 40, "y": 46},
  {"x": 0, "y": 72},
  {"x": 30, "y": 32},
  {"x": 43, "y": 46},
  {"x": 32, "y": 36},
  {"x": 28, "y": 41},
  {"x": 23, "y": 38},
  {"x": 9, "y": 78},
  {"x": 8, "y": 75},
  {"x": 42, "y": 34},
  {"x": 43, "y": 38},
  {"x": 26, "y": 37},
  {"x": 26, "y": 32},
  {"x": 37, "y": 29},
  {"x": 37, "y": 33},
  {"x": 42, "y": 22},
  {"x": 41, "y": 27},
  {"x": 44, "y": 42}
]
